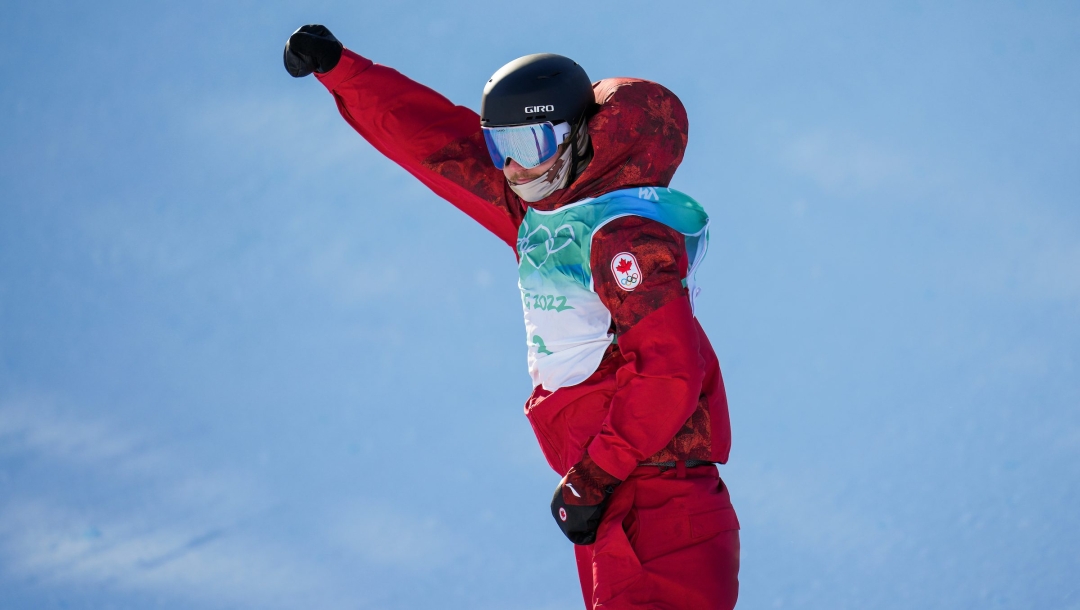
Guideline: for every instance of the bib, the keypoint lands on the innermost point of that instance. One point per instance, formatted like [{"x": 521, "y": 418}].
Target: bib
[{"x": 567, "y": 326}]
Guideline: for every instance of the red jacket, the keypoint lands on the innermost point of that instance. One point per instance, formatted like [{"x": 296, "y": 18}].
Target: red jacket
[{"x": 658, "y": 394}]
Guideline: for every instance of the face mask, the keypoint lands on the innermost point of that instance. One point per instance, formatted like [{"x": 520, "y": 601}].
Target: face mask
[{"x": 552, "y": 180}]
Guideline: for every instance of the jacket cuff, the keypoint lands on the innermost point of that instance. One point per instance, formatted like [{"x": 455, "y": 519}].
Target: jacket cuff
[
  {"x": 613, "y": 455},
  {"x": 347, "y": 67}
]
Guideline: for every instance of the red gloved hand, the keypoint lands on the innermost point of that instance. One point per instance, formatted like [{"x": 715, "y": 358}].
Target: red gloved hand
[{"x": 580, "y": 500}]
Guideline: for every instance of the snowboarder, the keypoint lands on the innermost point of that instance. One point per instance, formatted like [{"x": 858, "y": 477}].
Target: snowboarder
[{"x": 628, "y": 401}]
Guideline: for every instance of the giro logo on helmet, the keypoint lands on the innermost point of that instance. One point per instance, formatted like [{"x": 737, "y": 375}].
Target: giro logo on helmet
[{"x": 532, "y": 109}]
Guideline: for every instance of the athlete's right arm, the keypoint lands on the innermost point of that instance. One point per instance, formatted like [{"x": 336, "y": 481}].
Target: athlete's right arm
[{"x": 422, "y": 131}]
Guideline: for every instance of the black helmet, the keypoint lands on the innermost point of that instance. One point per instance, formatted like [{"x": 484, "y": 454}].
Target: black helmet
[{"x": 536, "y": 88}]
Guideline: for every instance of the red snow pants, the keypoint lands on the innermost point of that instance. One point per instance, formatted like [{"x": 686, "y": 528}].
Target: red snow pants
[{"x": 668, "y": 541}]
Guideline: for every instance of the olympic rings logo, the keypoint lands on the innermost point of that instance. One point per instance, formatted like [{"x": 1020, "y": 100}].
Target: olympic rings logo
[{"x": 624, "y": 267}]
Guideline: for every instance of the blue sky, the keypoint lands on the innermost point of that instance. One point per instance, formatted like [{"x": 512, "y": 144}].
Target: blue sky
[{"x": 245, "y": 362}]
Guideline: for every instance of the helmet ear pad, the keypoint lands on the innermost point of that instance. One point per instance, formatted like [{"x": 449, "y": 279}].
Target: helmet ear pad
[{"x": 537, "y": 88}]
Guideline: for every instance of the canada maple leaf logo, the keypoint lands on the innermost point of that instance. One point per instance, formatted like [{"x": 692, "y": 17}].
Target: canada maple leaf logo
[{"x": 624, "y": 266}]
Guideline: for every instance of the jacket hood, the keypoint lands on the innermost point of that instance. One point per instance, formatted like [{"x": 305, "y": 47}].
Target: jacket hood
[{"x": 638, "y": 137}]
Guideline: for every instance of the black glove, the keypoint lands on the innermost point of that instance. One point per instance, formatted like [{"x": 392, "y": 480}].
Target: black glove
[
  {"x": 580, "y": 500},
  {"x": 312, "y": 48}
]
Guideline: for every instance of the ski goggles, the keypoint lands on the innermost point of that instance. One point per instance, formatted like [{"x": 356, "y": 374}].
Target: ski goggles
[{"x": 529, "y": 145}]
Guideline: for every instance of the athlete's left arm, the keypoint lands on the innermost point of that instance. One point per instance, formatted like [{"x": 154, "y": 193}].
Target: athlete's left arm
[{"x": 659, "y": 386}]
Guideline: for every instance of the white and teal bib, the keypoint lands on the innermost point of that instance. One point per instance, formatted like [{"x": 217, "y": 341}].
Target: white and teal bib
[{"x": 566, "y": 324}]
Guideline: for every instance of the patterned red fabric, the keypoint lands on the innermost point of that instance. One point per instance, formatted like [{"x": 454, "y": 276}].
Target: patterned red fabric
[
  {"x": 658, "y": 394},
  {"x": 661, "y": 255},
  {"x": 589, "y": 481}
]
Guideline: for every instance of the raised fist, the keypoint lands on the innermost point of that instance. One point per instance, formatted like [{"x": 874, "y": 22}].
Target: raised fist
[{"x": 312, "y": 48}]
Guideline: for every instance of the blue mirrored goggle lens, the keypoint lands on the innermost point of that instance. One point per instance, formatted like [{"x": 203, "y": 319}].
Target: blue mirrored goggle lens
[{"x": 529, "y": 145}]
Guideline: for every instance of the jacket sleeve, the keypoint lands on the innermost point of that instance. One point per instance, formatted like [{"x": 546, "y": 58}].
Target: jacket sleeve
[
  {"x": 422, "y": 131},
  {"x": 659, "y": 386}
]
